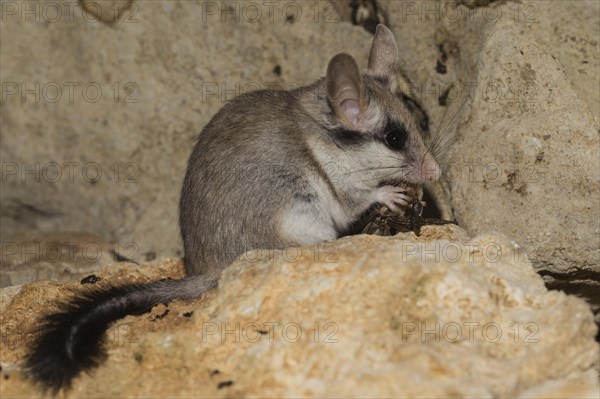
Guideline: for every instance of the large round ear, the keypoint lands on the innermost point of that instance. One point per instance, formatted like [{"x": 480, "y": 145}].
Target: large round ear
[
  {"x": 384, "y": 52},
  {"x": 345, "y": 90}
]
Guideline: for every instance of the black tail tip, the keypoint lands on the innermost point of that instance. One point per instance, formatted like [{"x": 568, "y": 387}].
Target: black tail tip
[
  {"x": 63, "y": 349},
  {"x": 49, "y": 365}
]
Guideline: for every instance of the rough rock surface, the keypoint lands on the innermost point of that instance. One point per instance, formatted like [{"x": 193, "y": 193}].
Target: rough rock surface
[
  {"x": 525, "y": 163},
  {"x": 439, "y": 315},
  {"x": 64, "y": 257},
  {"x": 526, "y": 143},
  {"x": 106, "y": 114},
  {"x": 520, "y": 82}
]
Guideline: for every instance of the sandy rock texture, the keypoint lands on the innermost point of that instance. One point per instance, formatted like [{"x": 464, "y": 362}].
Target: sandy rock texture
[
  {"x": 516, "y": 85},
  {"x": 440, "y": 315},
  {"x": 105, "y": 114},
  {"x": 64, "y": 257}
]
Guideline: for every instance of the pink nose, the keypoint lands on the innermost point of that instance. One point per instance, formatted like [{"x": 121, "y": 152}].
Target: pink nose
[{"x": 430, "y": 170}]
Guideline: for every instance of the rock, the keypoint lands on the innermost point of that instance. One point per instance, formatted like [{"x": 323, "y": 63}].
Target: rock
[
  {"x": 63, "y": 257},
  {"x": 108, "y": 11},
  {"x": 365, "y": 13},
  {"x": 122, "y": 150},
  {"x": 475, "y": 3},
  {"x": 517, "y": 86},
  {"x": 7, "y": 294},
  {"x": 420, "y": 318},
  {"x": 106, "y": 115}
]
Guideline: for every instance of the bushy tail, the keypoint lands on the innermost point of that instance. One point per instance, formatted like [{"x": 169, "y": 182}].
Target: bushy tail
[{"x": 71, "y": 340}]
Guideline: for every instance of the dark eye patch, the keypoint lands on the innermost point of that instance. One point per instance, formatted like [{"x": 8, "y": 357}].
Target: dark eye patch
[
  {"x": 395, "y": 135},
  {"x": 348, "y": 138}
]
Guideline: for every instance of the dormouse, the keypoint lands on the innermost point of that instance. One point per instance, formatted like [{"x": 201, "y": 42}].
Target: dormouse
[{"x": 271, "y": 169}]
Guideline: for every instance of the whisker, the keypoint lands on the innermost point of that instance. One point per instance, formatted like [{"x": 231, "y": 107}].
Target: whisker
[
  {"x": 379, "y": 177},
  {"x": 443, "y": 138},
  {"x": 396, "y": 167}
]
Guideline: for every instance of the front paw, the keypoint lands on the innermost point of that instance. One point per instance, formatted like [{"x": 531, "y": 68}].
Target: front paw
[{"x": 392, "y": 197}]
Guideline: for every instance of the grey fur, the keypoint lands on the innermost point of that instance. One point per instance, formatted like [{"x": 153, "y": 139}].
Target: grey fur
[
  {"x": 272, "y": 169},
  {"x": 269, "y": 159}
]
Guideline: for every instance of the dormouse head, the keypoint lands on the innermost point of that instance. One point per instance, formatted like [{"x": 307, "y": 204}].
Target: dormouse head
[{"x": 372, "y": 122}]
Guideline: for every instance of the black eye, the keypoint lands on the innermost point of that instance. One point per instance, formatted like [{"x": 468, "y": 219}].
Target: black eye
[{"x": 396, "y": 138}]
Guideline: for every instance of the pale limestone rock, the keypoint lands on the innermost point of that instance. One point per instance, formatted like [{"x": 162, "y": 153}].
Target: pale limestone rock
[
  {"x": 526, "y": 156},
  {"x": 109, "y": 11},
  {"x": 64, "y": 257},
  {"x": 439, "y": 315}
]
